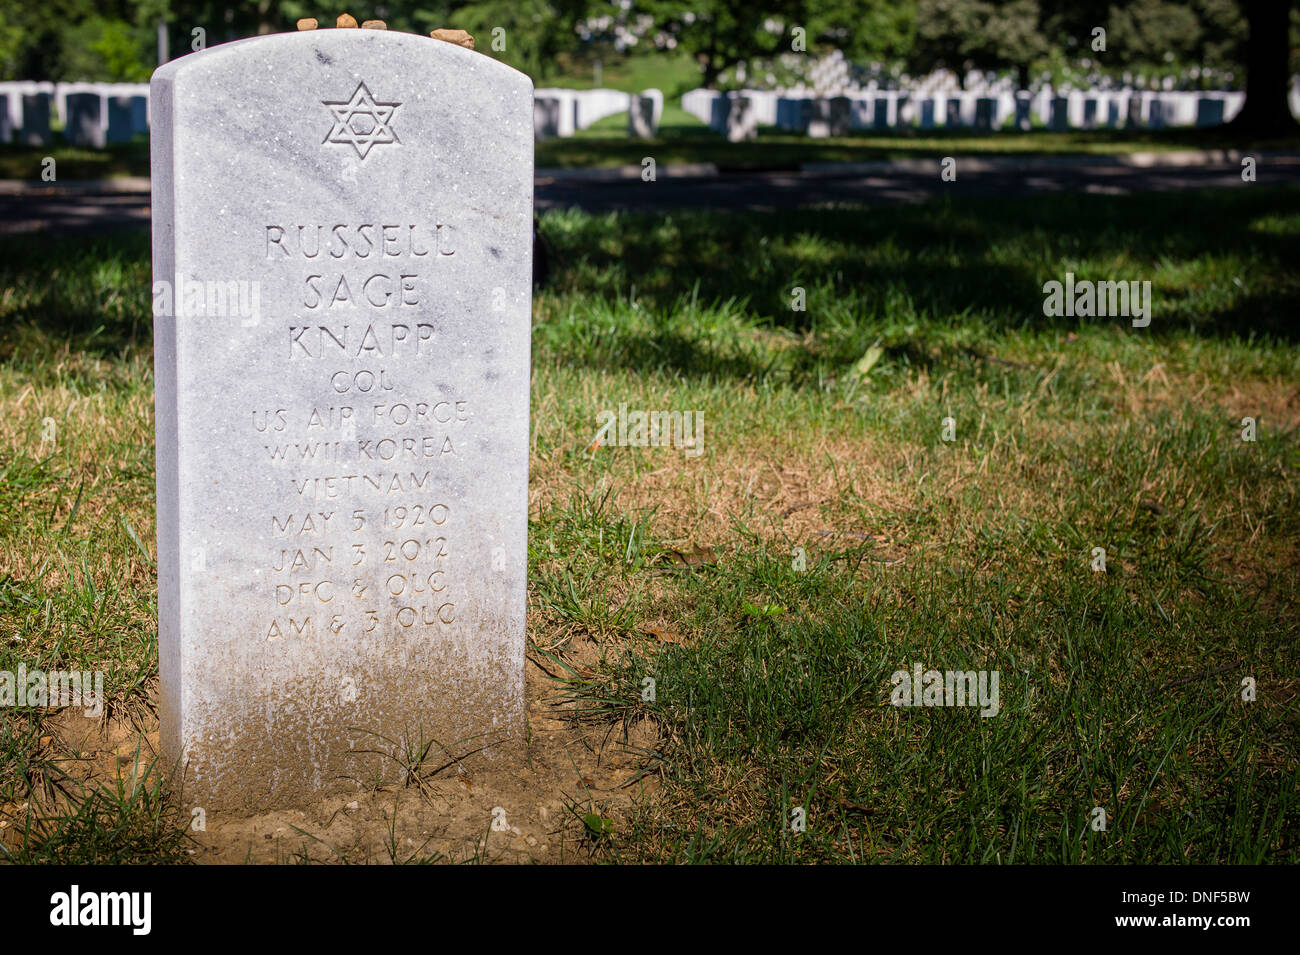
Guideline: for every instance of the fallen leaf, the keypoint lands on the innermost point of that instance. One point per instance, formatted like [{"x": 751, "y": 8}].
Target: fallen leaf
[
  {"x": 695, "y": 556},
  {"x": 662, "y": 634},
  {"x": 862, "y": 367},
  {"x": 856, "y": 807}
]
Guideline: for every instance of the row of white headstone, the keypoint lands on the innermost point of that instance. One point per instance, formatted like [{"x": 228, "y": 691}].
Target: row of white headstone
[
  {"x": 561, "y": 112},
  {"x": 92, "y": 114},
  {"x": 97, "y": 114},
  {"x": 738, "y": 115},
  {"x": 834, "y": 76}
]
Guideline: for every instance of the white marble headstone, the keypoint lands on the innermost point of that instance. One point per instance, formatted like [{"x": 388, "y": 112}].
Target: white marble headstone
[
  {"x": 1023, "y": 105},
  {"x": 36, "y": 119},
  {"x": 1060, "y": 113},
  {"x": 644, "y": 111},
  {"x": 344, "y": 220},
  {"x": 546, "y": 117},
  {"x": 121, "y": 118},
  {"x": 85, "y": 120},
  {"x": 741, "y": 122}
]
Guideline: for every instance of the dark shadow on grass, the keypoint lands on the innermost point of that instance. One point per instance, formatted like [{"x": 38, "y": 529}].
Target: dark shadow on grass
[
  {"x": 978, "y": 264},
  {"x": 88, "y": 293}
]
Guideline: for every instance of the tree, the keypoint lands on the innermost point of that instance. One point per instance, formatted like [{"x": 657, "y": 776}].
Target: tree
[
  {"x": 1223, "y": 36},
  {"x": 862, "y": 29},
  {"x": 73, "y": 40},
  {"x": 102, "y": 48},
  {"x": 1266, "y": 112},
  {"x": 534, "y": 31},
  {"x": 722, "y": 34},
  {"x": 960, "y": 35},
  {"x": 1153, "y": 35}
]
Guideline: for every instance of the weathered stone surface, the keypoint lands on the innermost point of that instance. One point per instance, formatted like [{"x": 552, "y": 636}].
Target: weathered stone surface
[{"x": 343, "y": 426}]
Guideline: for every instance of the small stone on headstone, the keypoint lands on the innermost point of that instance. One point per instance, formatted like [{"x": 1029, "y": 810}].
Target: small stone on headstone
[
  {"x": 307, "y": 23},
  {"x": 374, "y": 25},
  {"x": 459, "y": 37},
  {"x": 346, "y": 21}
]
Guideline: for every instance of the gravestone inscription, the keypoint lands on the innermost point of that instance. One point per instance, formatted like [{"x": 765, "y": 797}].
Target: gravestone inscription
[{"x": 342, "y": 258}]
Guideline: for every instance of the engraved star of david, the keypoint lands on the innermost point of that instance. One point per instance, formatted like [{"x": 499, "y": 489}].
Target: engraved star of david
[{"x": 361, "y": 122}]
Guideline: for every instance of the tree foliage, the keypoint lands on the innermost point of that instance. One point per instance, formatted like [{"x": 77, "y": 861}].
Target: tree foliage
[{"x": 116, "y": 39}]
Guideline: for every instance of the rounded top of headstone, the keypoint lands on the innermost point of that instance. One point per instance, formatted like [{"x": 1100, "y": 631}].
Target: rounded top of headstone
[{"x": 365, "y": 48}]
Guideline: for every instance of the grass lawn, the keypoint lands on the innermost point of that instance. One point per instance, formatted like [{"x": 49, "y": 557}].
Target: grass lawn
[
  {"x": 826, "y": 537},
  {"x": 27, "y": 162},
  {"x": 672, "y": 73}
]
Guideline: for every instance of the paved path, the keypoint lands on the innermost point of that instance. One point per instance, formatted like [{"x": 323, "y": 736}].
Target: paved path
[
  {"x": 26, "y": 208},
  {"x": 908, "y": 181}
]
